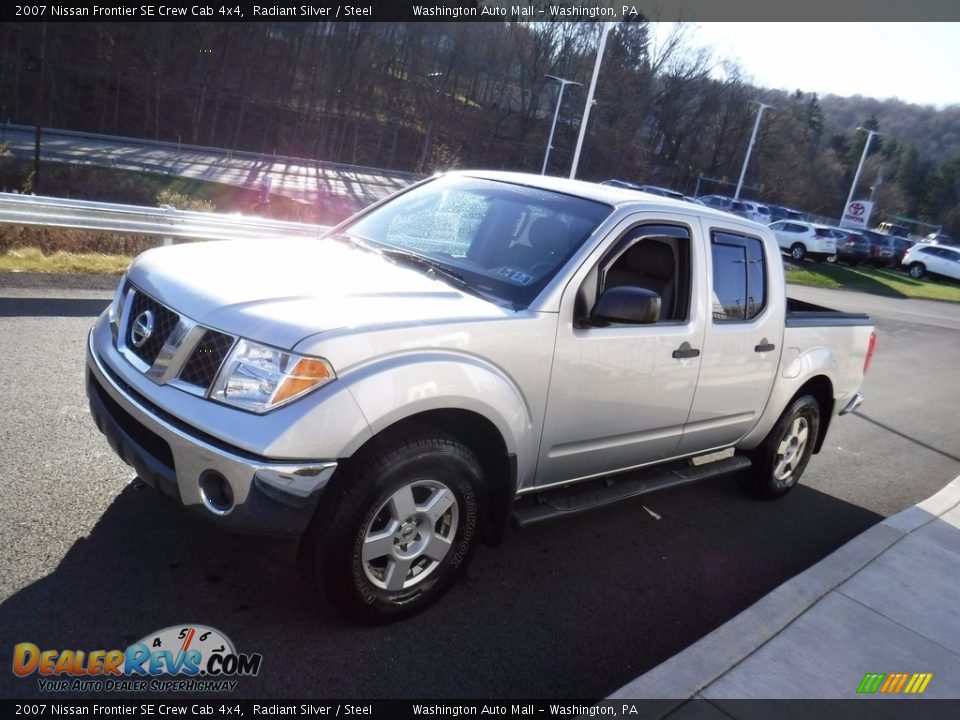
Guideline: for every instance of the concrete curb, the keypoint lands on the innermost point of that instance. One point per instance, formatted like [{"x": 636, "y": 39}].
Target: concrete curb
[{"x": 684, "y": 675}]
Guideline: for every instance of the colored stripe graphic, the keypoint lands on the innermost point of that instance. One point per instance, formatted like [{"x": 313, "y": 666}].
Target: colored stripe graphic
[
  {"x": 894, "y": 683},
  {"x": 871, "y": 682}
]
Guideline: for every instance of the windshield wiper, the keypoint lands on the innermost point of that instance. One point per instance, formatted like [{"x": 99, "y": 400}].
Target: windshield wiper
[
  {"x": 354, "y": 240},
  {"x": 433, "y": 267}
]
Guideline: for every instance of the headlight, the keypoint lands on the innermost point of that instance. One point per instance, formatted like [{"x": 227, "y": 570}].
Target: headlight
[
  {"x": 116, "y": 307},
  {"x": 260, "y": 378}
]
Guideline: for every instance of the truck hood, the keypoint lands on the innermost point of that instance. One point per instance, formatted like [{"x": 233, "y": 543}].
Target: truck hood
[{"x": 279, "y": 291}]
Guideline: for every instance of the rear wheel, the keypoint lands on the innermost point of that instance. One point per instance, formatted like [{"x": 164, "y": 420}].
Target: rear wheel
[
  {"x": 917, "y": 270},
  {"x": 779, "y": 461},
  {"x": 398, "y": 528},
  {"x": 798, "y": 251}
]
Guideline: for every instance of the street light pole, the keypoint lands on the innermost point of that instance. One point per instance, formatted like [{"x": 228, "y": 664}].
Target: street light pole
[
  {"x": 556, "y": 114},
  {"x": 586, "y": 110},
  {"x": 753, "y": 138},
  {"x": 863, "y": 159}
]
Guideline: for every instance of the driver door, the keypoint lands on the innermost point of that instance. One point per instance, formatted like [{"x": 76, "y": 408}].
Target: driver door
[{"x": 620, "y": 394}]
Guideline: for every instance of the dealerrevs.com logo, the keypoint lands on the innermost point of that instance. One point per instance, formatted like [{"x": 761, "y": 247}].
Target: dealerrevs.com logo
[{"x": 180, "y": 658}]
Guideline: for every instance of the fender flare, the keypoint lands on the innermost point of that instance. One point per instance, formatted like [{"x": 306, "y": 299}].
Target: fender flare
[{"x": 396, "y": 387}]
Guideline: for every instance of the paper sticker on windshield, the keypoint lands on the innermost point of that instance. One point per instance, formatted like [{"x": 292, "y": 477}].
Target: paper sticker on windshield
[{"x": 517, "y": 276}]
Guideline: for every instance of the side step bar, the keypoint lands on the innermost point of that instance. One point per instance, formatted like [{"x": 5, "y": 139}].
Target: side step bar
[{"x": 606, "y": 491}]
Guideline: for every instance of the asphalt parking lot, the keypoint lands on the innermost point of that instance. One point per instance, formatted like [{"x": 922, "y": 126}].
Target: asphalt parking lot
[{"x": 570, "y": 609}]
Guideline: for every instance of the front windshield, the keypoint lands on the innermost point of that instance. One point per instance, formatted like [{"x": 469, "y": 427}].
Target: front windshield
[{"x": 504, "y": 240}]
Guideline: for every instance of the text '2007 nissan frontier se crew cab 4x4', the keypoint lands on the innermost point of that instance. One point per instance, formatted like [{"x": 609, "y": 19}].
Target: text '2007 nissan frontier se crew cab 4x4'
[{"x": 477, "y": 348}]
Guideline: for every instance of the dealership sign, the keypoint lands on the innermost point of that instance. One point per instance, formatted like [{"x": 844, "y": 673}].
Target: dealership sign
[{"x": 857, "y": 215}]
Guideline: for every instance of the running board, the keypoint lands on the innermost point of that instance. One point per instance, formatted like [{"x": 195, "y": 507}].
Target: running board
[{"x": 591, "y": 494}]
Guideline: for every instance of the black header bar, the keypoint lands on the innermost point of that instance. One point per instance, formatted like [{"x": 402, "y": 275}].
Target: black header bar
[
  {"x": 225, "y": 707},
  {"x": 855, "y": 12}
]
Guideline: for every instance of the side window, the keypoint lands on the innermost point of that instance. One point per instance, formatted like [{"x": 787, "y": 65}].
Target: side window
[
  {"x": 654, "y": 257},
  {"x": 739, "y": 277}
]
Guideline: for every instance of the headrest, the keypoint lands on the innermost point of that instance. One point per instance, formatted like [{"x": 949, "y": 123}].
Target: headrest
[
  {"x": 653, "y": 258},
  {"x": 548, "y": 234}
]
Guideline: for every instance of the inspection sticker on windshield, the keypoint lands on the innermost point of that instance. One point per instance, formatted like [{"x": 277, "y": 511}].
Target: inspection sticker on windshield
[
  {"x": 517, "y": 276},
  {"x": 180, "y": 658}
]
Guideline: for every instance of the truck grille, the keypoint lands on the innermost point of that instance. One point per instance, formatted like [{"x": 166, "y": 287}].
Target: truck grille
[
  {"x": 198, "y": 360},
  {"x": 164, "y": 321},
  {"x": 205, "y": 360}
]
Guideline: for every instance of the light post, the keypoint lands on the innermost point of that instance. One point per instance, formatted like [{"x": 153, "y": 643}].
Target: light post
[
  {"x": 556, "y": 114},
  {"x": 753, "y": 138},
  {"x": 593, "y": 86},
  {"x": 863, "y": 159}
]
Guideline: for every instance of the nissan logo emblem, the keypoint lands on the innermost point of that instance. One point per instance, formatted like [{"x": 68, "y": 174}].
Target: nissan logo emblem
[{"x": 142, "y": 328}]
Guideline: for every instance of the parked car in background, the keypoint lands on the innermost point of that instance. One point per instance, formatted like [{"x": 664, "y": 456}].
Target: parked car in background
[
  {"x": 801, "y": 239},
  {"x": 663, "y": 192},
  {"x": 855, "y": 249},
  {"x": 727, "y": 204},
  {"x": 719, "y": 202},
  {"x": 885, "y": 249},
  {"x": 778, "y": 212},
  {"x": 888, "y": 228},
  {"x": 621, "y": 184},
  {"x": 891, "y": 251},
  {"x": 937, "y": 238},
  {"x": 758, "y": 212},
  {"x": 925, "y": 258},
  {"x": 651, "y": 189}
]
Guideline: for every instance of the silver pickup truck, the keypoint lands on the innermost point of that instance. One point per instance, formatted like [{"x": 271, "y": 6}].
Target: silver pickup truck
[{"x": 479, "y": 348}]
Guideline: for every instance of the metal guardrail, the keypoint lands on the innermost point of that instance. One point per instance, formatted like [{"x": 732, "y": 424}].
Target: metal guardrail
[
  {"x": 165, "y": 223},
  {"x": 227, "y": 153}
]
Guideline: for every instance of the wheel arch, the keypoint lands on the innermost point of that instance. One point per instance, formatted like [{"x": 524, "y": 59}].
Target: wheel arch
[
  {"x": 821, "y": 388},
  {"x": 818, "y": 382},
  {"x": 479, "y": 434}
]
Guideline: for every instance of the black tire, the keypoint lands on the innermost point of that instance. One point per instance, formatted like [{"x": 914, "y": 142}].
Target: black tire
[
  {"x": 832, "y": 259},
  {"x": 917, "y": 270},
  {"x": 361, "y": 505},
  {"x": 798, "y": 251},
  {"x": 767, "y": 477}
]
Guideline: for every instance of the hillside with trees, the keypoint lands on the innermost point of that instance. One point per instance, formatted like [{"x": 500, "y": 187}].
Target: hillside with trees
[{"x": 433, "y": 96}]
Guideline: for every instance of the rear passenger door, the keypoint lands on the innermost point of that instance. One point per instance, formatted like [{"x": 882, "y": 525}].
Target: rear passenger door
[{"x": 744, "y": 331}]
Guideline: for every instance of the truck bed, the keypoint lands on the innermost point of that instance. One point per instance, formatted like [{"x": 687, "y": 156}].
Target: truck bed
[{"x": 804, "y": 314}]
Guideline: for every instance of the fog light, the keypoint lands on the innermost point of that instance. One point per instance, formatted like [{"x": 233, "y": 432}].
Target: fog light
[{"x": 216, "y": 492}]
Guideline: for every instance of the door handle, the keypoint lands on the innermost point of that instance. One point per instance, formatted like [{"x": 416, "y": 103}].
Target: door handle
[
  {"x": 764, "y": 346},
  {"x": 685, "y": 351}
]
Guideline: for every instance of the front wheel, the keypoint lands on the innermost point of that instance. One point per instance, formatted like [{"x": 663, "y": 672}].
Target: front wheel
[
  {"x": 779, "y": 461},
  {"x": 398, "y": 528},
  {"x": 798, "y": 251}
]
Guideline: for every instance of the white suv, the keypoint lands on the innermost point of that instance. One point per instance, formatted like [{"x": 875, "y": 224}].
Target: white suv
[
  {"x": 756, "y": 211},
  {"x": 923, "y": 258},
  {"x": 800, "y": 239}
]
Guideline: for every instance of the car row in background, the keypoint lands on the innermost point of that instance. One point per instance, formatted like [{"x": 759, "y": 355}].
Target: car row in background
[
  {"x": 651, "y": 189},
  {"x": 889, "y": 245},
  {"x": 868, "y": 247}
]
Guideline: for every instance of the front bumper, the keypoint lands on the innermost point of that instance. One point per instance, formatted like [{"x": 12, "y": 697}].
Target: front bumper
[{"x": 228, "y": 485}]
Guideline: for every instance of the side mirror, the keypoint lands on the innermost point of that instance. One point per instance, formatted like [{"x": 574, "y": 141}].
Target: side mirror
[{"x": 627, "y": 304}]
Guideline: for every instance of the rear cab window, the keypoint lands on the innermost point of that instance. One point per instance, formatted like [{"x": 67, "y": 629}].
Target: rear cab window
[{"x": 739, "y": 276}]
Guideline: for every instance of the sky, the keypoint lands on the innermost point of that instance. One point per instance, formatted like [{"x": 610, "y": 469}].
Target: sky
[{"x": 915, "y": 62}]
